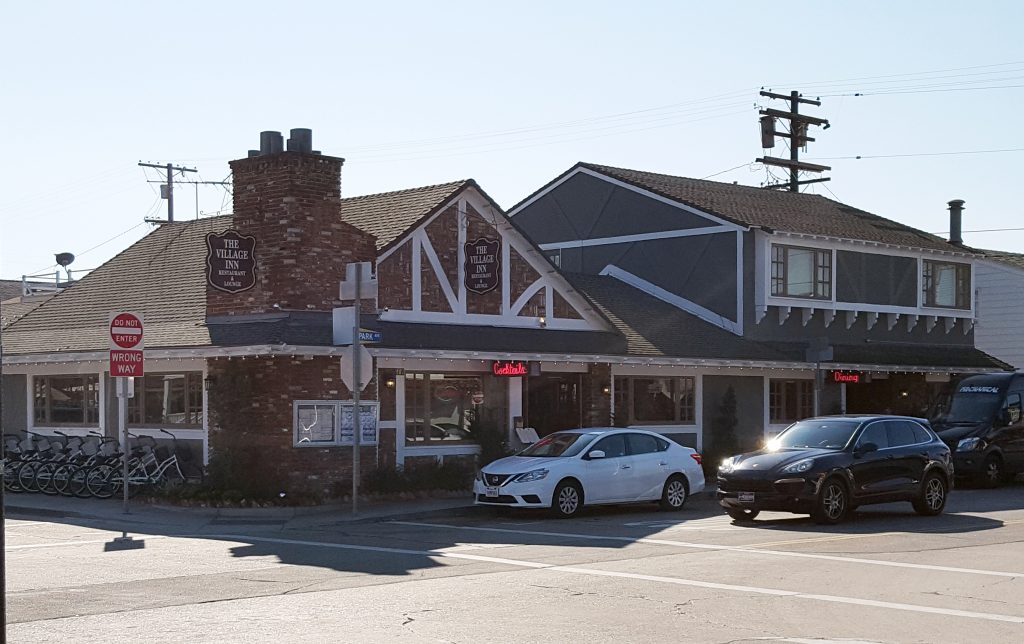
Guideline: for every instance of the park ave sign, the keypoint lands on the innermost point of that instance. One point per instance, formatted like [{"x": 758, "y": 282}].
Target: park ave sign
[{"x": 126, "y": 345}]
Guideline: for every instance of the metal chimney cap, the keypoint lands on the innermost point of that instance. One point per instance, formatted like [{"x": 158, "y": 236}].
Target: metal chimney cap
[{"x": 956, "y": 203}]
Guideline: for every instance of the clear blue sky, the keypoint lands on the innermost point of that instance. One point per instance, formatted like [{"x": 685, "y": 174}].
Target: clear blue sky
[{"x": 511, "y": 94}]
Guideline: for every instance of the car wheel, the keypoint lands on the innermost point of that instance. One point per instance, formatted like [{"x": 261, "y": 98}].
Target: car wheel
[
  {"x": 832, "y": 503},
  {"x": 567, "y": 500},
  {"x": 675, "y": 493},
  {"x": 992, "y": 474},
  {"x": 743, "y": 514},
  {"x": 932, "y": 501}
]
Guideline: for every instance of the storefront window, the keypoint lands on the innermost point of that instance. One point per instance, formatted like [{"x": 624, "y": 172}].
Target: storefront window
[
  {"x": 656, "y": 400},
  {"x": 167, "y": 399},
  {"x": 66, "y": 400},
  {"x": 790, "y": 400},
  {"x": 440, "y": 407}
]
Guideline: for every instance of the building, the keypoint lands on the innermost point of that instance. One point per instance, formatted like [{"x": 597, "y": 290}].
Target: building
[
  {"x": 1000, "y": 281},
  {"x": 799, "y": 303},
  {"x": 608, "y": 296}
]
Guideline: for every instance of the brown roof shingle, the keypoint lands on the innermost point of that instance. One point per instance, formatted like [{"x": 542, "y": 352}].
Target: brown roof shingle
[
  {"x": 162, "y": 276},
  {"x": 776, "y": 210},
  {"x": 389, "y": 214},
  {"x": 1016, "y": 260}
]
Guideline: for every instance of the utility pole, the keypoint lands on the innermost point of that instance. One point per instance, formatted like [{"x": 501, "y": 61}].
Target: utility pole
[
  {"x": 196, "y": 184},
  {"x": 168, "y": 193},
  {"x": 797, "y": 136}
]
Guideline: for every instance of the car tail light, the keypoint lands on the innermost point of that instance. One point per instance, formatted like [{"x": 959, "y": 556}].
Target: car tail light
[{"x": 697, "y": 457}]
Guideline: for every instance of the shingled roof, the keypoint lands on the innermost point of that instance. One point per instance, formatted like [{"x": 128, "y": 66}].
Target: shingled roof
[
  {"x": 655, "y": 328},
  {"x": 1015, "y": 260},
  {"x": 775, "y": 210},
  {"x": 162, "y": 276},
  {"x": 389, "y": 214}
]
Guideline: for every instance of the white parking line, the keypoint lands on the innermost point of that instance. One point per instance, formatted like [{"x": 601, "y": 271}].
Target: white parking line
[
  {"x": 708, "y": 546},
  {"x": 58, "y": 544},
  {"x": 837, "y": 599}
]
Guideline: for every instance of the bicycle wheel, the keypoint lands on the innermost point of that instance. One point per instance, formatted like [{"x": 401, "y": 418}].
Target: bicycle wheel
[
  {"x": 76, "y": 482},
  {"x": 102, "y": 481},
  {"x": 62, "y": 478},
  {"x": 11, "y": 483},
  {"x": 44, "y": 478},
  {"x": 27, "y": 476}
]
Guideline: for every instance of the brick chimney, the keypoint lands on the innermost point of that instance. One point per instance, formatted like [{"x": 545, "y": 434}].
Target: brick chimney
[{"x": 288, "y": 198}]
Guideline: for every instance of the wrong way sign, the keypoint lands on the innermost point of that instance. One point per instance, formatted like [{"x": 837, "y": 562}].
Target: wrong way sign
[{"x": 127, "y": 345}]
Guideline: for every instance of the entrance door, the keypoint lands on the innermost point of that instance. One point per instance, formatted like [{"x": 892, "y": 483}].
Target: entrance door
[{"x": 554, "y": 402}]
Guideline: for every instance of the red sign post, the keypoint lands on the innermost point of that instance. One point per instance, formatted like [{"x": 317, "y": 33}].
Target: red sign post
[{"x": 126, "y": 345}]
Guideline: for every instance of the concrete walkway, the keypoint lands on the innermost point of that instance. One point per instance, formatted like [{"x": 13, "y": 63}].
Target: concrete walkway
[{"x": 41, "y": 506}]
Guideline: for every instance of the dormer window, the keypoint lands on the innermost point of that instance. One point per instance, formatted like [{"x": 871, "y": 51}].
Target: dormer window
[
  {"x": 801, "y": 272},
  {"x": 947, "y": 284}
]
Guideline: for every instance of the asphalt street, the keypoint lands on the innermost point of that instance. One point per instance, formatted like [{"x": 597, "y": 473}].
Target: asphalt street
[{"x": 623, "y": 574}]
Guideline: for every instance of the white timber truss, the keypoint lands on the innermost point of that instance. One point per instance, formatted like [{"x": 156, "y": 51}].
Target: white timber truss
[{"x": 547, "y": 280}]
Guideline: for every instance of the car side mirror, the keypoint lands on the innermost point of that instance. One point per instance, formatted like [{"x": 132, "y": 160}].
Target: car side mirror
[
  {"x": 865, "y": 448},
  {"x": 597, "y": 453}
]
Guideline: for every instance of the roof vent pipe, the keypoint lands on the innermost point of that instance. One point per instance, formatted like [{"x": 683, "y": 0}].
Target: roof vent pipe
[{"x": 956, "y": 209}]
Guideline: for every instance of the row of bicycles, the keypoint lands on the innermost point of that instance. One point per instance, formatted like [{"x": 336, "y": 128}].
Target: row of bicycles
[{"x": 92, "y": 465}]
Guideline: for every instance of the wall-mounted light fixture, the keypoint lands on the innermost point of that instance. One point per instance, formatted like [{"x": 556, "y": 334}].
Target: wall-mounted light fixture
[
  {"x": 606, "y": 390},
  {"x": 542, "y": 321},
  {"x": 209, "y": 382},
  {"x": 390, "y": 383}
]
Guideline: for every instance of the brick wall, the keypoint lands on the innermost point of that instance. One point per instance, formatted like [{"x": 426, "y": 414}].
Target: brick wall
[
  {"x": 290, "y": 203},
  {"x": 251, "y": 406}
]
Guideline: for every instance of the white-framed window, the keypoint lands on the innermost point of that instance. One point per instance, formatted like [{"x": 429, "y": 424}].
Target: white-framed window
[
  {"x": 654, "y": 400},
  {"x": 801, "y": 272},
  {"x": 790, "y": 400},
  {"x": 947, "y": 284},
  {"x": 165, "y": 399},
  {"x": 330, "y": 423},
  {"x": 66, "y": 400}
]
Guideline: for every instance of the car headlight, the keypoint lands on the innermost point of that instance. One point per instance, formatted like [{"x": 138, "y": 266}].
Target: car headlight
[
  {"x": 799, "y": 467},
  {"x": 727, "y": 465},
  {"x": 969, "y": 444},
  {"x": 532, "y": 475}
]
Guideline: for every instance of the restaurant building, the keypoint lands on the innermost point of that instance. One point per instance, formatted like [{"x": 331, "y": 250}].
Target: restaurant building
[{"x": 605, "y": 298}]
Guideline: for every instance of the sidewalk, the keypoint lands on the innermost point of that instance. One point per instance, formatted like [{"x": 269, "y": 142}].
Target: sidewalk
[{"x": 29, "y": 506}]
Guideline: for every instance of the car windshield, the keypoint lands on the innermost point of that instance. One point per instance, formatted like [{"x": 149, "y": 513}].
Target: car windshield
[
  {"x": 821, "y": 434},
  {"x": 969, "y": 406},
  {"x": 563, "y": 445}
]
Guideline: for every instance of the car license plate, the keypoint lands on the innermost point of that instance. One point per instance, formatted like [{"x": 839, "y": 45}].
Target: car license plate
[
  {"x": 746, "y": 497},
  {"x": 491, "y": 491}
]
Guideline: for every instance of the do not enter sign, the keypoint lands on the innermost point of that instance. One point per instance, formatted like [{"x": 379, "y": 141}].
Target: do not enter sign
[{"x": 126, "y": 345}]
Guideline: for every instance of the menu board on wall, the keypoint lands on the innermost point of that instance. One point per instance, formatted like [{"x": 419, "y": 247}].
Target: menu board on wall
[{"x": 482, "y": 265}]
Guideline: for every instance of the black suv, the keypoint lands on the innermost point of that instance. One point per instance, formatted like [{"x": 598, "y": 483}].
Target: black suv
[{"x": 828, "y": 466}]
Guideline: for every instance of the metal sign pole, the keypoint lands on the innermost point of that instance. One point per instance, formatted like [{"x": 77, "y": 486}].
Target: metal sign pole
[
  {"x": 122, "y": 421},
  {"x": 356, "y": 381}
]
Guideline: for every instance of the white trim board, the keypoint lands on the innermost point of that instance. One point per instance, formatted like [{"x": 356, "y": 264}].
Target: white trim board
[
  {"x": 709, "y": 316},
  {"x": 627, "y": 239}
]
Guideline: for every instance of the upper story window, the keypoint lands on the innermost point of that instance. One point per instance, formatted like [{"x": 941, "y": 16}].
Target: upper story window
[
  {"x": 947, "y": 284},
  {"x": 66, "y": 400},
  {"x": 801, "y": 272}
]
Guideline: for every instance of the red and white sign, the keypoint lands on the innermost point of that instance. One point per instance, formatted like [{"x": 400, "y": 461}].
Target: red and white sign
[{"x": 126, "y": 345}]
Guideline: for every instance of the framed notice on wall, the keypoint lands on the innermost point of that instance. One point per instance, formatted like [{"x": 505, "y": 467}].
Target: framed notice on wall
[
  {"x": 482, "y": 265},
  {"x": 367, "y": 423}
]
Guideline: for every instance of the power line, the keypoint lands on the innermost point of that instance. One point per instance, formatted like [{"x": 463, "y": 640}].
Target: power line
[
  {"x": 918, "y": 154},
  {"x": 742, "y": 165},
  {"x": 989, "y": 230},
  {"x": 89, "y": 250}
]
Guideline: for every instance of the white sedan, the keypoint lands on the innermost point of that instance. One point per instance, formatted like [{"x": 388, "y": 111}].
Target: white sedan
[{"x": 597, "y": 465}]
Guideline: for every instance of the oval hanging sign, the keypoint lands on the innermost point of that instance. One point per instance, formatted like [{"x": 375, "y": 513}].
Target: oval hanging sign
[
  {"x": 231, "y": 261},
  {"x": 482, "y": 265}
]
